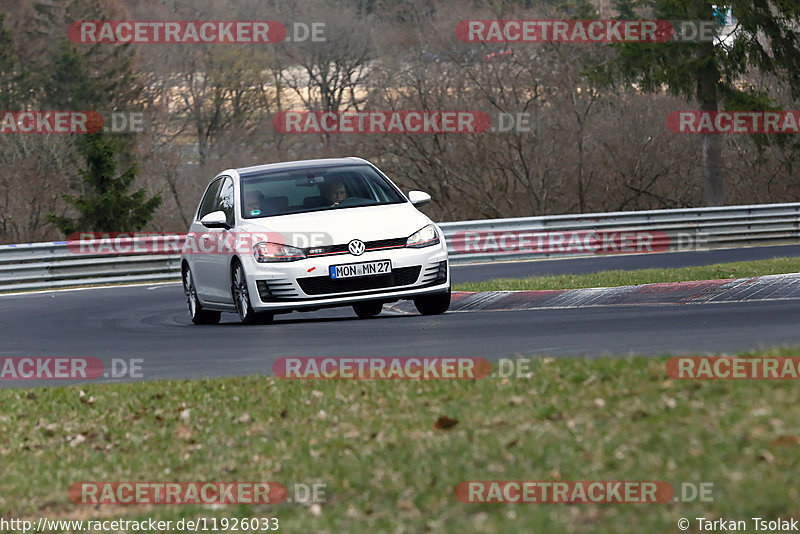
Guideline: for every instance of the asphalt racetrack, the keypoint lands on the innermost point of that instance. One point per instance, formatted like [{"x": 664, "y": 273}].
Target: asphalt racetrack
[
  {"x": 151, "y": 323},
  {"x": 623, "y": 262}
]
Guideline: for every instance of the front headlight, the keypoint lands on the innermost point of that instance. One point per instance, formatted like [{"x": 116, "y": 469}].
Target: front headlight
[
  {"x": 425, "y": 237},
  {"x": 274, "y": 252}
]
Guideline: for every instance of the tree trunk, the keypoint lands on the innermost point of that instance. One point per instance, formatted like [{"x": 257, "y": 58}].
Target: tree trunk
[
  {"x": 712, "y": 169},
  {"x": 712, "y": 143}
]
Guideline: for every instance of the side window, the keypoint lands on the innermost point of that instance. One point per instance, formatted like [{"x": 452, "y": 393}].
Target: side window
[
  {"x": 225, "y": 199},
  {"x": 209, "y": 199}
]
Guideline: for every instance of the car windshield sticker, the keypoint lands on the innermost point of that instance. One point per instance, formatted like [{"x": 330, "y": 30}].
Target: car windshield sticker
[{"x": 255, "y": 212}]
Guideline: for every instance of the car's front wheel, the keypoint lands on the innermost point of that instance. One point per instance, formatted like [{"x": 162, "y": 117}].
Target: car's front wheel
[
  {"x": 198, "y": 314},
  {"x": 365, "y": 310},
  {"x": 241, "y": 298},
  {"x": 433, "y": 304}
]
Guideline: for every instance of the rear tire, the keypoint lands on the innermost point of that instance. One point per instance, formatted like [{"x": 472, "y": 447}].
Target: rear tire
[
  {"x": 196, "y": 311},
  {"x": 241, "y": 298},
  {"x": 433, "y": 304},
  {"x": 365, "y": 310}
]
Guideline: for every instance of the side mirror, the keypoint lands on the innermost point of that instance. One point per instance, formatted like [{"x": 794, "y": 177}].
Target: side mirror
[
  {"x": 215, "y": 219},
  {"x": 419, "y": 198}
]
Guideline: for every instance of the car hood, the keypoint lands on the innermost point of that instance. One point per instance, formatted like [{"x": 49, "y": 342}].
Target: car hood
[{"x": 340, "y": 226}]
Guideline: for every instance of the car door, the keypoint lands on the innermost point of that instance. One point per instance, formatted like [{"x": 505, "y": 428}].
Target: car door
[
  {"x": 203, "y": 243},
  {"x": 223, "y": 241}
]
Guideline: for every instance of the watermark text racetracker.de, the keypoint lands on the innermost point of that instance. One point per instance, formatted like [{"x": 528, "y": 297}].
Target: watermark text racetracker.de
[
  {"x": 129, "y": 493},
  {"x": 402, "y": 122},
  {"x": 71, "y": 122},
  {"x": 733, "y": 368},
  {"x": 581, "y": 491},
  {"x": 573, "y": 242},
  {"x": 50, "y": 122},
  {"x": 68, "y": 368},
  {"x": 587, "y": 31},
  {"x": 734, "y": 122},
  {"x": 124, "y": 243},
  {"x": 194, "y": 32},
  {"x": 381, "y": 368}
]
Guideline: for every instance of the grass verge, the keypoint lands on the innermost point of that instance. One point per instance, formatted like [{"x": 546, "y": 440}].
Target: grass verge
[
  {"x": 385, "y": 466},
  {"x": 744, "y": 269}
]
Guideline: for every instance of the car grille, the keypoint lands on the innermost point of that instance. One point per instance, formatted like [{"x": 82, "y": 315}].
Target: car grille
[
  {"x": 323, "y": 285},
  {"x": 381, "y": 244}
]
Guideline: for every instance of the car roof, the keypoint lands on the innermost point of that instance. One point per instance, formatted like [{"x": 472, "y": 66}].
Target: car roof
[{"x": 295, "y": 165}]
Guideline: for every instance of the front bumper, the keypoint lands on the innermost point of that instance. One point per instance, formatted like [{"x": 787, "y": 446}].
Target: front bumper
[{"x": 307, "y": 283}]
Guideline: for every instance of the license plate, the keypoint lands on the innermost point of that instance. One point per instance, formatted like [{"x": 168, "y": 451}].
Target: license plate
[{"x": 353, "y": 270}]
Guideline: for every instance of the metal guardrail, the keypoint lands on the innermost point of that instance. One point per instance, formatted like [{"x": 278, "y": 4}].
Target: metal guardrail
[
  {"x": 57, "y": 264},
  {"x": 668, "y": 230}
]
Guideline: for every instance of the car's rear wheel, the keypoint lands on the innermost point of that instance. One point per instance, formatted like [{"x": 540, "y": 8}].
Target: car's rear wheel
[
  {"x": 365, "y": 310},
  {"x": 433, "y": 304},
  {"x": 241, "y": 298},
  {"x": 196, "y": 311}
]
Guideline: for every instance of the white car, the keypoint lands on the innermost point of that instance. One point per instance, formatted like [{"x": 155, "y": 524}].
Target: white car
[{"x": 306, "y": 235}]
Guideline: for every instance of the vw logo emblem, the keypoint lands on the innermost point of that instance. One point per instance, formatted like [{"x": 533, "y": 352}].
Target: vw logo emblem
[{"x": 356, "y": 247}]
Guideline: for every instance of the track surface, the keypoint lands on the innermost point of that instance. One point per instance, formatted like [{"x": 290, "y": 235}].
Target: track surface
[
  {"x": 151, "y": 323},
  {"x": 623, "y": 262}
]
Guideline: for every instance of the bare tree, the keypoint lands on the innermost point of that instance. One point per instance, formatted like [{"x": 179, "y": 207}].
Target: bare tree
[{"x": 329, "y": 75}]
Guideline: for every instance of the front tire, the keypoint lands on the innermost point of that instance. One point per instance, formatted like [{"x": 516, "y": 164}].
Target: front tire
[
  {"x": 241, "y": 298},
  {"x": 196, "y": 311},
  {"x": 433, "y": 304},
  {"x": 365, "y": 310}
]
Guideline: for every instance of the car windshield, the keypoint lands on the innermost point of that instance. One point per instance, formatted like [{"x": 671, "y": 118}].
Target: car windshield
[{"x": 315, "y": 189}]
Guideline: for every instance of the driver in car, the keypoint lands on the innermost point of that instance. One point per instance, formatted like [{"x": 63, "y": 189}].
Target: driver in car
[
  {"x": 253, "y": 200},
  {"x": 333, "y": 192}
]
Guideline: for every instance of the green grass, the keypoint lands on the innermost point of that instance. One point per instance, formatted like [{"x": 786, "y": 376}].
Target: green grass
[
  {"x": 745, "y": 269},
  {"x": 385, "y": 466}
]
